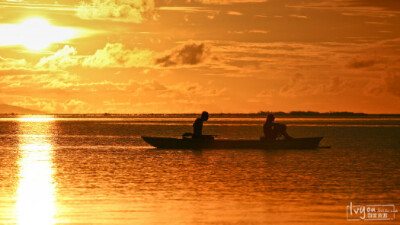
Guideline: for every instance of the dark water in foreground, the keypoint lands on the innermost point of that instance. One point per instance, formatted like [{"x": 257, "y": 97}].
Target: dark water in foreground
[{"x": 89, "y": 171}]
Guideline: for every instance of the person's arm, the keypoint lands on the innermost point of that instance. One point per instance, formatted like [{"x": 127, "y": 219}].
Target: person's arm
[
  {"x": 194, "y": 127},
  {"x": 265, "y": 130},
  {"x": 268, "y": 131}
]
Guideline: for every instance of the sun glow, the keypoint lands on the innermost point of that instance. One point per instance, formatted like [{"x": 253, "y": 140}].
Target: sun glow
[{"x": 34, "y": 34}]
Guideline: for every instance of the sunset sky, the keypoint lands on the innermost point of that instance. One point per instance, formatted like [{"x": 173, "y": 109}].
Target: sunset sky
[{"x": 172, "y": 56}]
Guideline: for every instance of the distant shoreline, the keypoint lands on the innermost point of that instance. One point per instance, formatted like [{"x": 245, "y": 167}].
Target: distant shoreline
[{"x": 293, "y": 114}]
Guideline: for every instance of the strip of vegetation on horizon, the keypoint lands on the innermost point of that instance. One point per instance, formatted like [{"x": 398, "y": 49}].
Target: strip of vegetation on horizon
[{"x": 260, "y": 114}]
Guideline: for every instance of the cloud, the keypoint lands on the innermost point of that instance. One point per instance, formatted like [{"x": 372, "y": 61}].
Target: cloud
[
  {"x": 299, "y": 85},
  {"x": 335, "y": 85},
  {"x": 234, "y": 13},
  {"x": 75, "y": 106},
  {"x": 16, "y": 72},
  {"x": 361, "y": 63},
  {"x": 388, "y": 84},
  {"x": 12, "y": 63},
  {"x": 52, "y": 106},
  {"x": 189, "y": 54},
  {"x": 259, "y": 31},
  {"x": 115, "y": 55},
  {"x": 186, "y": 9},
  {"x": 295, "y": 86},
  {"x": 392, "y": 84},
  {"x": 153, "y": 85},
  {"x": 299, "y": 16},
  {"x": 50, "y": 6},
  {"x": 182, "y": 97},
  {"x": 63, "y": 58},
  {"x": 190, "y": 89},
  {"x": 37, "y": 82},
  {"x": 16, "y": 67},
  {"x": 265, "y": 94},
  {"x": 133, "y": 96},
  {"x": 228, "y": 2},
  {"x": 367, "y": 8},
  {"x": 134, "y": 11}
]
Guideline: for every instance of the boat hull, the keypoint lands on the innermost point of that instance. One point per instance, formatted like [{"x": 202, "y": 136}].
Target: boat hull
[{"x": 189, "y": 143}]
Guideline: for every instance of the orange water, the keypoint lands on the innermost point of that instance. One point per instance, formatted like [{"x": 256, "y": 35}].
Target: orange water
[{"x": 89, "y": 171}]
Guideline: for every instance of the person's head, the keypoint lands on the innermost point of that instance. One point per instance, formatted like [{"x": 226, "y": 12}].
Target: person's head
[
  {"x": 270, "y": 118},
  {"x": 204, "y": 116}
]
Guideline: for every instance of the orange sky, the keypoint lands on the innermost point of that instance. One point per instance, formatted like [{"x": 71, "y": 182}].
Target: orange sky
[{"x": 168, "y": 56}]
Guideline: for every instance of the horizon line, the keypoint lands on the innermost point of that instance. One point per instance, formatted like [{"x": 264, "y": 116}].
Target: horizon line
[{"x": 291, "y": 113}]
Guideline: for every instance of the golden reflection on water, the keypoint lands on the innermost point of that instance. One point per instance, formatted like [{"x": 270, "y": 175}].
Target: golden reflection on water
[{"x": 35, "y": 200}]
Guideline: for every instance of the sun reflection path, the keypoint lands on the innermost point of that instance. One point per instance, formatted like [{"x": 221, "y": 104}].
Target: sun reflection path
[{"x": 36, "y": 190}]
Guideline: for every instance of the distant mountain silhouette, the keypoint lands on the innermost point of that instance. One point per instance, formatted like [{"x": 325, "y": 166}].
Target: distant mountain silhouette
[{"x": 8, "y": 109}]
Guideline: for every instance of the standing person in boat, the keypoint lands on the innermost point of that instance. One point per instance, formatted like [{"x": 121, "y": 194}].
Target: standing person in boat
[
  {"x": 198, "y": 126},
  {"x": 273, "y": 130}
]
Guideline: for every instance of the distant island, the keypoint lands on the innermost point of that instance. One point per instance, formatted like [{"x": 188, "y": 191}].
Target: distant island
[
  {"x": 14, "y": 110},
  {"x": 261, "y": 114}
]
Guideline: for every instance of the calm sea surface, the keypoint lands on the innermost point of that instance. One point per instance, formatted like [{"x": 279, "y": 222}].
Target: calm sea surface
[{"x": 98, "y": 170}]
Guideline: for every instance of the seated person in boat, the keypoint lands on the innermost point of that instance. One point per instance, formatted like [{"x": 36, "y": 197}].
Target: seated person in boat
[
  {"x": 273, "y": 130},
  {"x": 198, "y": 127}
]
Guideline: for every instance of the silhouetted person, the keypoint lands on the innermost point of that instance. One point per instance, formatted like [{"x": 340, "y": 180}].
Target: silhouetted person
[
  {"x": 198, "y": 125},
  {"x": 272, "y": 130}
]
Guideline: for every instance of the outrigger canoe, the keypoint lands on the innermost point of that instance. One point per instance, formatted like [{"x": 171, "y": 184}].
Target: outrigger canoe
[{"x": 190, "y": 143}]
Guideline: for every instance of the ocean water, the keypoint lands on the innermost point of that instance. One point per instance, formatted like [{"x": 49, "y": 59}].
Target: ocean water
[{"x": 99, "y": 171}]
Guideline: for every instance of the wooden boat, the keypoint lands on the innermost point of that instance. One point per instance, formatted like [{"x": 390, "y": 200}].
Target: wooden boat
[{"x": 210, "y": 143}]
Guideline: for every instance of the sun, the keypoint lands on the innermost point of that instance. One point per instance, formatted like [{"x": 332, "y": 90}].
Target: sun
[{"x": 34, "y": 34}]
